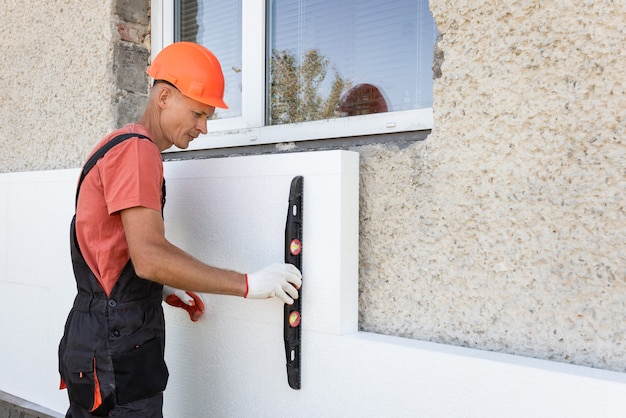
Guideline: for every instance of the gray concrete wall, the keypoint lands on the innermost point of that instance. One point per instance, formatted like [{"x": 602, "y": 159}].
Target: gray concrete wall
[
  {"x": 502, "y": 231},
  {"x": 14, "y": 407}
]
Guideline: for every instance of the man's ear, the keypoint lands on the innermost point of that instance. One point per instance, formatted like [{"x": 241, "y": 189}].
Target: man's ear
[{"x": 164, "y": 96}]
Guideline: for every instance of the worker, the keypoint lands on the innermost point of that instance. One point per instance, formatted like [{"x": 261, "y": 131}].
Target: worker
[{"x": 111, "y": 356}]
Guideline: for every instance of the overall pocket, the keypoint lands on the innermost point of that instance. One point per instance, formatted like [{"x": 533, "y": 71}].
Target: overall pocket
[
  {"x": 80, "y": 375},
  {"x": 140, "y": 372}
]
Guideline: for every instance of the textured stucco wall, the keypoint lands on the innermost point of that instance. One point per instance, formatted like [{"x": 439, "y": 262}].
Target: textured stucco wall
[
  {"x": 505, "y": 229},
  {"x": 59, "y": 91}
]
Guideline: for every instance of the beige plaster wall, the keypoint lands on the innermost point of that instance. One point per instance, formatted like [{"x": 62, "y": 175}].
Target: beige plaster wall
[
  {"x": 56, "y": 83},
  {"x": 505, "y": 230}
]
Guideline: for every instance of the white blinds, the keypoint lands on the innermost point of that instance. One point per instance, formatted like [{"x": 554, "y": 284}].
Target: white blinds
[
  {"x": 387, "y": 46},
  {"x": 216, "y": 25}
]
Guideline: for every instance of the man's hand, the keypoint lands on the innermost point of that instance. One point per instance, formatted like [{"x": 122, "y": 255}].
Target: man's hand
[
  {"x": 281, "y": 280},
  {"x": 189, "y": 301}
]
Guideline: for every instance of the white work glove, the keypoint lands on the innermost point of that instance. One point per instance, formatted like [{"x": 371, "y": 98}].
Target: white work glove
[
  {"x": 189, "y": 301},
  {"x": 281, "y": 280}
]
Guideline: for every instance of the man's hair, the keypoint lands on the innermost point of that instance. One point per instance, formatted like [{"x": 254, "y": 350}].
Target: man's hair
[{"x": 163, "y": 81}]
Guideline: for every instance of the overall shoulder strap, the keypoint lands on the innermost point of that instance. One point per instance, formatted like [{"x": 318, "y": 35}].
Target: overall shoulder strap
[{"x": 100, "y": 153}]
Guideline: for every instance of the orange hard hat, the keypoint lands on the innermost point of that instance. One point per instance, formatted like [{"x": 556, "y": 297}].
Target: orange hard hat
[{"x": 193, "y": 69}]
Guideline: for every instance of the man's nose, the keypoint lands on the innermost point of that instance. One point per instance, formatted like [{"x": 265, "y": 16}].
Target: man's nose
[{"x": 202, "y": 126}]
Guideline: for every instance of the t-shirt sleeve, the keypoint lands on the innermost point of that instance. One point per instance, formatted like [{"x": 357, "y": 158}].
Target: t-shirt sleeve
[{"x": 132, "y": 175}]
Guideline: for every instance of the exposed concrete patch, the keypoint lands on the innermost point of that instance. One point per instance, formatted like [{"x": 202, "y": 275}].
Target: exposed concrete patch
[{"x": 14, "y": 407}]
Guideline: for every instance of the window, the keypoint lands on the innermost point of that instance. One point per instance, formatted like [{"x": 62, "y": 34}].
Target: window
[
  {"x": 216, "y": 25},
  {"x": 310, "y": 69}
]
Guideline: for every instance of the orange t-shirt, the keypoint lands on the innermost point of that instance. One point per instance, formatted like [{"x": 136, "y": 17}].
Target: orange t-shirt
[{"x": 129, "y": 175}]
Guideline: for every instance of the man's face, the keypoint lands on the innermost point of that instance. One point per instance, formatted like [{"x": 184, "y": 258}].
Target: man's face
[{"x": 183, "y": 119}]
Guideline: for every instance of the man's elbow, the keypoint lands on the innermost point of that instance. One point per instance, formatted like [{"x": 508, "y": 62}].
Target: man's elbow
[{"x": 146, "y": 267}]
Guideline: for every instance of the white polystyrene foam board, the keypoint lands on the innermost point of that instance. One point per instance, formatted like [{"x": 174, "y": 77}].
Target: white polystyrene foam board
[{"x": 231, "y": 212}]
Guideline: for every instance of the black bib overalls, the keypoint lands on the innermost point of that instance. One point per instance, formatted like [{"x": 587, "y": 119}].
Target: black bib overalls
[{"x": 113, "y": 347}]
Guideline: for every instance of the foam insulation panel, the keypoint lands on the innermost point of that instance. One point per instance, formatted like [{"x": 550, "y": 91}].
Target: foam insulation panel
[
  {"x": 36, "y": 281},
  {"x": 231, "y": 212}
]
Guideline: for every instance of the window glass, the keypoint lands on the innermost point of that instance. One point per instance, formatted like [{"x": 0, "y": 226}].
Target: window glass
[
  {"x": 301, "y": 70},
  {"x": 216, "y": 25},
  {"x": 330, "y": 59}
]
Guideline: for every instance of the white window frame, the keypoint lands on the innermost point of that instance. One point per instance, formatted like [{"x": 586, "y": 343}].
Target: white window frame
[{"x": 249, "y": 128}]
